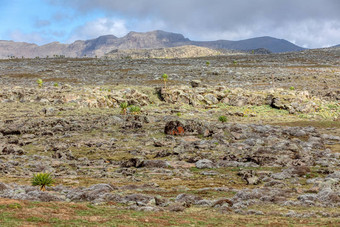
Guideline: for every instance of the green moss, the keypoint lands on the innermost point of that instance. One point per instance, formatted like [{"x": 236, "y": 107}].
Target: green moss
[{"x": 34, "y": 219}]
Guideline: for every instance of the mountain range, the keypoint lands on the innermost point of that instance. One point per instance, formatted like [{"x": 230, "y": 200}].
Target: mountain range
[{"x": 137, "y": 40}]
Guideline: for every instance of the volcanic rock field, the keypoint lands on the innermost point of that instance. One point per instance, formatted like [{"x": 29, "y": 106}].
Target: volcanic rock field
[{"x": 276, "y": 155}]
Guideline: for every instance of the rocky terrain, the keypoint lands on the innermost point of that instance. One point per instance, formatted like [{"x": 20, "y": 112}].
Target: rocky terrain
[
  {"x": 98, "y": 47},
  {"x": 171, "y": 52},
  {"x": 275, "y": 160}
]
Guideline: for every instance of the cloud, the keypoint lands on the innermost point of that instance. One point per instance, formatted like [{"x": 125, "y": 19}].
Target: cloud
[
  {"x": 98, "y": 27},
  {"x": 62, "y": 16},
  {"x": 38, "y": 37},
  {"x": 298, "y": 20},
  {"x": 311, "y": 33},
  {"x": 42, "y": 23},
  {"x": 33, "y": 37}
]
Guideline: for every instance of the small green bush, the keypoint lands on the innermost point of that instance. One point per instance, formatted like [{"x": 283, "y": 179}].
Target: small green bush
[
  {"x": 124, "y": 106},
  {"x": 165, "y": 79},
  {"x": 42, "y": 180},
  {"x": 56, "y": 85},
  {"x": 207, "y": 63},
  {"x": 222, "y": 119},
  {"x": 165, "y": 76},
  {"x": 39, "y": 82},
  {"x": 134, "y": 109},
  {"x": 292, "y": 88}
]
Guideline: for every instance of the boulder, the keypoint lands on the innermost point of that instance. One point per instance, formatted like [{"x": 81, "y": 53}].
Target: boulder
[
  {"x": 204, "y": 164},
  {"x": 174, "y": 128},
  {"x": 195, "y": 83}
]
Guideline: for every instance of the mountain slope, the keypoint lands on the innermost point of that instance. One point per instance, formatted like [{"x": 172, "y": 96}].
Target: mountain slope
[
  {"x": 154, "y": 39},
  {"x": 272, "y": 44},
  {"x": 137, "y": 40}
]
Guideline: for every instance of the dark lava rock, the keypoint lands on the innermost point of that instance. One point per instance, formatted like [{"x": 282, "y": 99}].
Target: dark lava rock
[
  {"x": 133, "y": 162},
  {"x": 12, "y": 149},
  {"x": 174, "y": 128},
  {"x": 249, "y": 176},
  {"x": 161, "y": 201},
  {"x": 195, "y": 83}
]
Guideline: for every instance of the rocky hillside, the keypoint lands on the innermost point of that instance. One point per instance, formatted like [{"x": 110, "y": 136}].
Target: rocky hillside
[
  {"x": 10, "y": 49},
  {"x": 171, "y": 52},
  {"x": 134, "y": 40}
]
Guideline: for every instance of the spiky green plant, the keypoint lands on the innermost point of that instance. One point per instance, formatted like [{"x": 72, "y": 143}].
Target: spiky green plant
[
  {"x": 207, "y": 63},
  {"x": 292, "y": 88},
  {"x": 124, "y": 106},
  {"x": 39, "y": 82},
  {"x": 165, "y": 79},
  {"x": 42, "y": 180},
  {"x": 134, "y": 109},
  {"x": 56, "y": 84},
  {"x": 222, "y": 119}
]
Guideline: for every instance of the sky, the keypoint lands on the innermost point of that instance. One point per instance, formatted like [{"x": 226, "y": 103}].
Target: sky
[{"x": 307, "y": 23}]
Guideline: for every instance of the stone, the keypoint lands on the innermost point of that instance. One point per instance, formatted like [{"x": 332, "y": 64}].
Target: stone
[
  {"x": 138, "y": 199},
  {"x": 4, "y": 186},
  {"x": 195, "y": 83},
  {"x": 176, "y": 207},
  {"x": 249, "y": 176},
  {"x": 133, "y": 162},
  {"x": 12, "y": 149},
  {"x": 221, "y": 202},
  {"x": 300, "y": 170},
  {"x": 204, "y": 164},
  {"x": 188, "y": 199},
  {"x": 253, "y": 180},
  {"x": 174, "y": 128},
  {"x": 210, "y": 99},
  {"x": 161, "y": 201},
  {"x": 156, "y": 164}
]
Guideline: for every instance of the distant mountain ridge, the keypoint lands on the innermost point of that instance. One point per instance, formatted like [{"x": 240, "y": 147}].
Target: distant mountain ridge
[
  {"x": 272, "y": 44},
  {"x": 137, "y": 40}
]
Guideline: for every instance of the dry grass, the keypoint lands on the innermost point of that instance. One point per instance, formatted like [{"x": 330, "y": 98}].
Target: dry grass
[{"x": 26, "y": 213}]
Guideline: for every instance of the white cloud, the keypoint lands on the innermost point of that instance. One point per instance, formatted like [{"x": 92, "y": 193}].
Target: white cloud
[
  {"x": 146, "y": 25},
  {"x": 307, "y": 33},
  {"x": 98, "y": 27},
  {"x": 313, "y": 23},
  {"x": 42, "y": 37},
  {"x": 310, "y": 33},
  {"x": 33, "y": 37}
]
